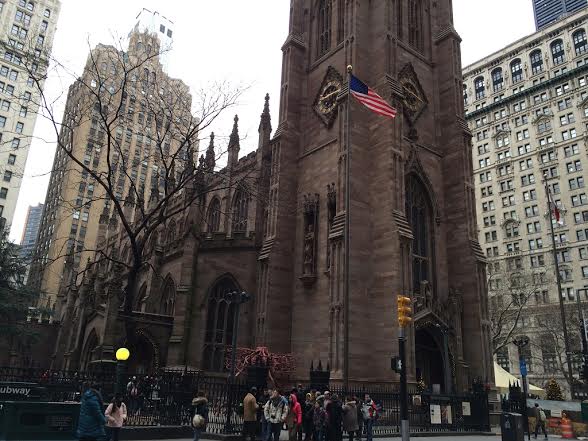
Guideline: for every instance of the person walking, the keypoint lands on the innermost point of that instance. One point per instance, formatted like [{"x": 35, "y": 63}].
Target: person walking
[
  {"x": 307, "y": 413},
  {"x": 370, "y": 413},
  {"x": 200, "y": 414},
  {"x": 350, "y": 424},
  {"x": 319, "y": 419},
  {"x": 265, "y": 425},
  {"x": 92, "y": 420},
  {"x": 276, "y": 411},
  {"x": 294, "y": 418},
  {"x": 116, "y": 414},
  {"x": 334, "y": 419},
  {"x": 540, "y": 419},
  {"x": 133, "y": 395},
  {"x": 250, "y": 415}
]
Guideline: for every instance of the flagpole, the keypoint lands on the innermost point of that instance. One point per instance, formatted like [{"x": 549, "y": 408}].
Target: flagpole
[
  {"x": 559, "y": 291},
  {"x": 347, "y": 232}
]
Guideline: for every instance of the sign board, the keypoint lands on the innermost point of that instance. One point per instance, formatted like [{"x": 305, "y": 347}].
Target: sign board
[
  {"x": 16, "y": 391},
  {"x": 556, "y": 413},
  {"x": 523, "y": 368},
  {"x": 466, "y": 408},
  {"x": 435, "y": 413},
  {"x": 417, "y": 400},
  {"x": 446, "y": 414}
]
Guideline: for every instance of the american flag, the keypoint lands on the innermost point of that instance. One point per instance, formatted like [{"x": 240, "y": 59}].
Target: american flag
[
  {"x": 370, "y": 99},
  {"x": 553, "y": 206}
]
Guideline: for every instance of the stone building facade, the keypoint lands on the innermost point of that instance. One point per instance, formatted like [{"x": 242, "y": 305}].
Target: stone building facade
[
  {"x": 276, "y": 230},
  {"x": 527, "y": 106}
]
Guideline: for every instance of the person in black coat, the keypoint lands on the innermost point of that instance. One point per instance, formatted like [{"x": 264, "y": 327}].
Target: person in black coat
[{"x": 335, "y": 419}]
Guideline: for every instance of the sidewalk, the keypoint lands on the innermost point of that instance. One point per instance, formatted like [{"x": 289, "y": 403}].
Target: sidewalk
[{"x": 418, "y": 438}]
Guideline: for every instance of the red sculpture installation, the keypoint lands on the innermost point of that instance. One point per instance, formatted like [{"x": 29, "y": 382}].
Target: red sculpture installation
[{"x": 279, "y": 365}]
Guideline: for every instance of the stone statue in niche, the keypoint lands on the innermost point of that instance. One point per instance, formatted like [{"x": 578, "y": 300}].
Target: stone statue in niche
[{"x": 309, "y": 258}]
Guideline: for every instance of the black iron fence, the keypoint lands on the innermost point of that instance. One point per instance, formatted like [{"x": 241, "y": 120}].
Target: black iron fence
[{"x": 164, "y": 399}]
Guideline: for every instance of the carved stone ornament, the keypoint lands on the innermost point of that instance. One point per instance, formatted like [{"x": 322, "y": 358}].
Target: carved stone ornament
[
  {"x": 311, "y": 205},
  {"x": 326, "y": 104},
  {"x": 414, "y": 101}
]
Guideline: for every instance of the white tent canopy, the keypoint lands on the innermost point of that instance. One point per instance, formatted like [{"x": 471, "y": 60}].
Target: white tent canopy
[{"x": 502, "y": 379}]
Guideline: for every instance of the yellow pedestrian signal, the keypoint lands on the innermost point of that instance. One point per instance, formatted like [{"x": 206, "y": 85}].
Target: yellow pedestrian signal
[{"x": 404, "y": 311}]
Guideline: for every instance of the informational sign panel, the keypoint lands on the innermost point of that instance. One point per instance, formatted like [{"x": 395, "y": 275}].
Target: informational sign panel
[
  {"x": 446, "y": 414},
  {"x": 435, "y": 412},
  {"x": 466, "y": 408}
]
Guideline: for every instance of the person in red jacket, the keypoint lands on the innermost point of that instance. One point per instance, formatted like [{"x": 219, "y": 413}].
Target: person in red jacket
[{"x": 294, "y": 418}]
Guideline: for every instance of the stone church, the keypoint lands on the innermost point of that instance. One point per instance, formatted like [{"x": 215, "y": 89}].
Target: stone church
[{"x": 281, "y": 237}]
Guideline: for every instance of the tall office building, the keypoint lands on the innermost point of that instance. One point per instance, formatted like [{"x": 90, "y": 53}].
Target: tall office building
[
  {"x": 26, "y": 37},
  {"x": 31, "y": 229},
  {"x": 75, "y": 202},
  {"x": 527, "y": 108},
  {"x": 548, "y": 11}
]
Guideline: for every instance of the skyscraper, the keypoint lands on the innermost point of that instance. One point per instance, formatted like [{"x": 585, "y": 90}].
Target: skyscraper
[
  {"x": 548, "y": 11},
  {"x": 75, "y": 201},
  {"x": 31, "y": 229},
  {"x": 26, "y": 37}
]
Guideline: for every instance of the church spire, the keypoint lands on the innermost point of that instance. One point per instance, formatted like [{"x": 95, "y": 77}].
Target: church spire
[
  {"x": 234, "y": 143},
  {"x": 266, "y": 121},
  {"x": 210, "y": 160}
]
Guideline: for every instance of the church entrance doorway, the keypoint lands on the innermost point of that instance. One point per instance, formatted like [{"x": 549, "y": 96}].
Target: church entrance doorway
[
  {"x": 429, "y": 360},
  {"x": 143, "y": 359}
]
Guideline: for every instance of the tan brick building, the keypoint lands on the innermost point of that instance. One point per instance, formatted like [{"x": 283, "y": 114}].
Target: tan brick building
[{"x": 278, "y": 230}]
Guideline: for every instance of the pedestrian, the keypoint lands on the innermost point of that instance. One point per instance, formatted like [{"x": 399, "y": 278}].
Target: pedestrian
[
  {"x": 265, "y": 424},
  {"x": 359, "y": 405},
  {"x": 370, "y": 414},
  {"x": 199, "y": 414},
  {"x": 301, "y": 400},
  {"x": 334, "y": 419},
  {"x": 294, "y": 418},
  {"x": 307, "y": 414},
  {"x": 133, "y": 394},
  {"x": 540, "y": 419},
  {"x": 350, "y": 424},
  {"x": 319, "y": 419},
  {"x": 250, "y": 415},
  {"x": 92, "y": 420},
  {"x": 116, "y": 414},
  {"x": 276, "y": 411}
]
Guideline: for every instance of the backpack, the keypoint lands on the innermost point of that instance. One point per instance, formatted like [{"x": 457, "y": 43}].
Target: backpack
[{"x": 542, "y": 416}]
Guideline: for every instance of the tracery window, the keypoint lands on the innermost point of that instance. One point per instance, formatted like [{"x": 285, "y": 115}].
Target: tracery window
[
  {"x": 240, "y": 211},
  {"x": 324, "y": 27},
  {"x": 219, "y": 326},
  {"x": 213, "y": 216},
  {"x": 419, "y": 213},
  {"x": 415, "y": 24},
  {"x": 168, "y": 298}
]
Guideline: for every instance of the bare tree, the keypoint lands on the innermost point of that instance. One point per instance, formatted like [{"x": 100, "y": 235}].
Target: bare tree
[{"x": 126, "y": 147}]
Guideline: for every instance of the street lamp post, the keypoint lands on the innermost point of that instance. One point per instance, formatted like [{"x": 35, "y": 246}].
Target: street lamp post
[
  {"x": 122, "y": 355},
  {"x": 520, "y": 342},
  {"x": 236, "y": 298}
]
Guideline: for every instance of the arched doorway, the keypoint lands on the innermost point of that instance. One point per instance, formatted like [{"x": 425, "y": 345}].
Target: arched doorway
[
  {"x": 429, "y": 359},
  {"x": 144, "y": 357},
  {"x": 88, "y": 352}
]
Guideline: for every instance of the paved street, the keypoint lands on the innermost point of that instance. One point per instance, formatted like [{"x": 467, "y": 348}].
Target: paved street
[{"x": 434, "y": 438}]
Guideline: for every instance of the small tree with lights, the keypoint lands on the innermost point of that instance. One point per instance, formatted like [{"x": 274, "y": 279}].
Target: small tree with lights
[{"x": 553, "y": 390}]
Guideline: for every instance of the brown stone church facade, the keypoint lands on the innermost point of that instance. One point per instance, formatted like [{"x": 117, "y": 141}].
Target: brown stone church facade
[{"x": 280, "y": 236}]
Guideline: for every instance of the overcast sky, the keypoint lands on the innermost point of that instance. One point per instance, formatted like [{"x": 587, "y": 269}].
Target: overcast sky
[{"x": 225, "y": 39}]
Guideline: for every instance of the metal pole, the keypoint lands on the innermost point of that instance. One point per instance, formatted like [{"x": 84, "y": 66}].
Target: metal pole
[
  {"x": 559, "y": 292},
  {"x": 230, "y": 390},
  {"x": 404, "y": 428},
  {"x": 525, "y": 410},
  {"x": 347, "y": 235}
]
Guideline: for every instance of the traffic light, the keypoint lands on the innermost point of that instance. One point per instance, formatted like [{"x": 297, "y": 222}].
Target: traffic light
[{"x": 404, "y": 311}]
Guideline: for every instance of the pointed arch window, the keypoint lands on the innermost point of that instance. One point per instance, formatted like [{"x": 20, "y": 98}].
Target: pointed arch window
[
  {"x": 516, "y": 70},
  {"x": 171, "y": 232},
  {"x": 219, "y": 326},
  {"x": 168, "y": 298},
  {"x": 415, "y": 24},
  {"x": 324, "y": 26},
  {"x": 557, "y": 52},
  {"x": 580, "y": 43},
  {"x": 340, "y": 20},
  {"x": 240, "y": 211},
  {"x": 419, "y": 213},
  {"x": 536, "y": 62},
  {"x": 213, "y": 216},
  {"x": 497, "y": 79}
]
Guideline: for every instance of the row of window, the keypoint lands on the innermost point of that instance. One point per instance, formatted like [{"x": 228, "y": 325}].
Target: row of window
[{"x": 537, "y": 65}]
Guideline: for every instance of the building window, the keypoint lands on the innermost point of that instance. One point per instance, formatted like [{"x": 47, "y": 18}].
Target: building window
[
  {"x": 324, "y": 27},
  {"x": 15, "y": 143},
  {"x": 415, "y": 24},
  {"x": 536, "y": 62},
  {"x": 502, "y": 358},
  {"x": 497, "y": 79},
  {"x": 580, "y": 45},
  {"x": 168, "y": 298},
  {"x": 557, "y": 52},
  {"x": 420, "y": 217},
  {"x": 516, "y": 70},
  {"x": 213, "y": 217},
  {"x": 47, "y": 13},
  {"x": 11, "y": 159},
  {"x": 465, "y": 95},
  {"x": 43, "y": 27},
  {"x": 479, "y": 87},
  {"x": 219, "y": 326},
  {"x": 19, "y": 127},
  {"x": 3, "y": 192},
  {"x": 240, "y": 211},
  {"x": 7, "y": 176}
]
